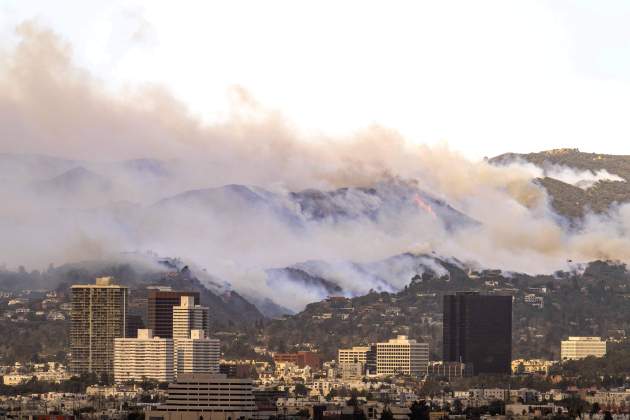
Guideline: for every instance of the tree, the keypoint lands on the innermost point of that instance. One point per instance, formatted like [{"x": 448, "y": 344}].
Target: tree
[
  {"x": 595, "y": 408},
  {"x": 353, "y": 401},
  {"x": 300, "y": 389},
  {"x": 457, "y": 406},
  {"x": 496, "y": 407},
  {"x": 387, "y": 414},
  {"x": 419, "y": 410}
]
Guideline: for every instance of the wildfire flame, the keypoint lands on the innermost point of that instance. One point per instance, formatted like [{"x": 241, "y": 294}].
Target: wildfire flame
[{"x": 424, "y": 206}]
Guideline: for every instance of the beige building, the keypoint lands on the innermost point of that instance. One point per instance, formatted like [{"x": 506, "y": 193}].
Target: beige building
[
  {"x": 98, "y": 316},
  {"x": 207, "y": 397},
  {"x": 144, "y": 357},
  {"x": 576, "y": 348},
  {"x": 197, "y": 354},
  {"x": 353, "y": 355},
  {"x": 188, "y": 316},
  {"x": 402, "y": 356}
]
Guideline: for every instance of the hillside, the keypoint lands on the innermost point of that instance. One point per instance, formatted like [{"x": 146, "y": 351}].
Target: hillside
[
  {"x": 592, "y": 301},
  {"x": 570, "y": 200}
]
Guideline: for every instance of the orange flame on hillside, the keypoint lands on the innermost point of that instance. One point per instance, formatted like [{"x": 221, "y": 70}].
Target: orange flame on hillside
[{"x": 424, "y": 206}]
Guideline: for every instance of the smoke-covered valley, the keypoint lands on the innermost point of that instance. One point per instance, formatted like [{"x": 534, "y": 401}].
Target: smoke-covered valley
[{"x": 89, "y": 174}]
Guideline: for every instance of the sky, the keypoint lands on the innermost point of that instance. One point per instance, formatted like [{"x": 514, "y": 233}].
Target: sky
[{"x": 485, "y": 77}]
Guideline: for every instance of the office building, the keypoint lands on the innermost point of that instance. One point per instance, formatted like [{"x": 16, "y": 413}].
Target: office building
[
  {"x": 144, "y": 357},
  {"x": 98, "y": 316},
  {"x": 134, "y": 323},
  {"x": 353, "y": 355},
  {"x": 160, "y": 303},
  {"x": 197, "y": 354},
  {"x": 576, "y": 348},
  {"x": 300, "y": 359},
  {"x": 403, "y": 356},
  {"x": 478, "y": 331},
  {"x": 207, "y": 397},
  {"x": 188, "y": 316}
]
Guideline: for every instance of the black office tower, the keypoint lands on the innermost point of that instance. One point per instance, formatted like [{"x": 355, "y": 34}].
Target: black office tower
[{"x": 478, "y": 331}]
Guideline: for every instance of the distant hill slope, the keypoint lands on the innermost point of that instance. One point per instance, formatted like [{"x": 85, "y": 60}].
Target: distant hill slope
[{"x": 569, "y": 200}]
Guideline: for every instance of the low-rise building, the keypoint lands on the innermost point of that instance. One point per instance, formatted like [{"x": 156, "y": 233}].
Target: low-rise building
[
  {"x": 206, "y": 396},
  {"x": 15, "y": 379},
  {"x": 531, "y": 366},
  {"x": 300, "y": 358}
]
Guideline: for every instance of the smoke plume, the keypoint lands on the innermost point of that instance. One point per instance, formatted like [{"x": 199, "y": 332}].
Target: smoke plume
[{"x": 88, "y": 173}]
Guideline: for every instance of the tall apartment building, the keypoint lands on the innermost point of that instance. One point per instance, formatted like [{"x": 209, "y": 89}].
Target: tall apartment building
[
  {"x": 204, "y": 396},
  {"x": 197, "y": 354},
  {"x": 143, "y": 357},
  {"x": 580, "y": 347},
  {"x": 98, "y": 316},
  {"x": 188, "y": 316},
  {"x": 402, "y": 356},
  {"x": 160, "y": 305},
  {"x": 353, "y": 355},
  {"x": 477, "y": 331}
]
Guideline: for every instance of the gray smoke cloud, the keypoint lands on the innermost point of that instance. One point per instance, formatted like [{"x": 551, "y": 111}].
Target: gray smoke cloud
[{"x": 87, "y": 173}]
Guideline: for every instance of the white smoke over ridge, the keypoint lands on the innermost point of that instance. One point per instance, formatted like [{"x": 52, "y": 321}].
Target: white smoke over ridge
[
  {"x": 127, "y": 159},
  {"x": 584, "y": 179}
]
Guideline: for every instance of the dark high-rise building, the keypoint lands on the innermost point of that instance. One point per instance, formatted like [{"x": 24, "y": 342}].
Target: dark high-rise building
[
  {"x": 478, "y": 331},
  {"x": 370, "y": 360},
  {"x": 134, "y": 323},
  {"x": 160, "y": 310}
]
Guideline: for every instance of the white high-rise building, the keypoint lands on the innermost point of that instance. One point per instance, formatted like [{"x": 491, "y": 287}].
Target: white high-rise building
[
  {"x": 402, "y": 356},
  {"x": 197, "y": 354},
  {"x": 188, "y": 316},
  {"x": 144, "y": 357},
  {"x": 580, "y": 347}
]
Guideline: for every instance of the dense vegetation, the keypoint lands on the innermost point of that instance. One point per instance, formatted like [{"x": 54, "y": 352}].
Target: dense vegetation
[{"x": 594, "y": 302}]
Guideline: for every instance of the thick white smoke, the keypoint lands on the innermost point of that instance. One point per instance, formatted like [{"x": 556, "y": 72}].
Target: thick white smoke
[{"x": 125, "y": 159}]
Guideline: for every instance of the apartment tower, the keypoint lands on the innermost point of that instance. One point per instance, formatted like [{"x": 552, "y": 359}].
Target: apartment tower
[{"x": 98, "y": 317}]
